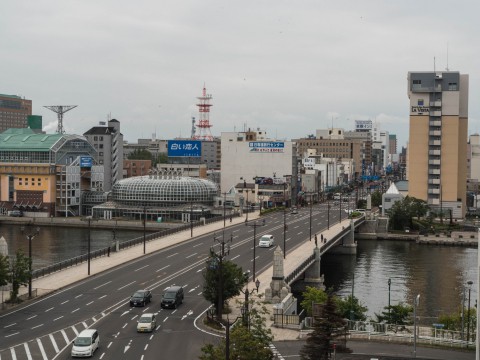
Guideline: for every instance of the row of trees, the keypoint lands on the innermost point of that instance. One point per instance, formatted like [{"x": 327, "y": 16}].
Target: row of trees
[{"x": 15, "y": 271}]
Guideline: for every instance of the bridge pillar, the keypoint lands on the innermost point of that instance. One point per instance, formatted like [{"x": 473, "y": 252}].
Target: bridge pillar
[
  {"x": 349, "y": 245},
  {"x": 278, "y": 289}
]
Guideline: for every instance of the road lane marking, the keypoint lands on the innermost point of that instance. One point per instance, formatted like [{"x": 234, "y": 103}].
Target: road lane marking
[
  {"x": 101, "y": 356},
  {"x": 84, "y": 324},
  {"x": 130, "y": 283},
  {"x": 75, "y": 310},
  {"x": 49, "y": 309},
  {"x": 9, "y": 325},
  {"x": 254, "y": 259},
  {"x": 101, "y": 297},
  {"x": 58, "y": 318},
  {"x": 143, "y": 267},
  {"x": 12, "y": 352},
  {"x": 99, "y": 286},
  {"x": 109, "y": 344},
  {"x": 165, "y": 319},
  {"x": 42, "y": 350},
  {"x": 12, "y": 334},
  {"x": 66, "y": 301},
  {"x": 54, "y": 343},
  {"x": 124, "y": 326},
  {"x": 189, "y": 256},
  {"x": 145, "y": 348},
  {"x": 199, "y": 270},
  {"x": 27, "y": 351},
  {"x": 91, "y": 302},
  {"x": 74, "y": 330},
  {"x": 233, "y": 258},
  {"x": 31, "y": 317},
  {"x": 76, "y": 297},
  {"x": 197, "y": 244},
  {"x": 65, "y": 337},
  {"x": 36, "y": 327},
  {"x": 134, "y": 317},
  {"x": 169, "y": 256},
  {"x": 162, "y": 268}
]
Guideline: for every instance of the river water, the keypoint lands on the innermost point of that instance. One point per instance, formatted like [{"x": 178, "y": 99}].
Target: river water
[{"x": 437, "y": 273}]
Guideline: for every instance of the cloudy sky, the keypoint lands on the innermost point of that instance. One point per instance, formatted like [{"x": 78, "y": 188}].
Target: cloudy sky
[{"x": 288, "y": 67}]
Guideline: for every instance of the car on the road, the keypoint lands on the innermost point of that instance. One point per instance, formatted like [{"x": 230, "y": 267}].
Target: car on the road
[
  {"x": 266, "y": 241},
  {"x": 85, "y": 343},
  {"x": 172, "y": 297},
  {"x": 146, "y": 323},
  {"x": 16, "y": 213},
  {"x": 140, "y": 298},
  {"x": 294, "y": 210}
]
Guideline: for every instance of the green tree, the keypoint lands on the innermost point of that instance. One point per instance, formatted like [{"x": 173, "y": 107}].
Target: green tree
[
  {"x": 312, "y": 295},
  {"x": 376, "y": 197},
  {"x": 4, "y": 270},
  {"x": 329, "y": 328},
  {"x": 226, "y": 272},
  {"x": 20, "y": 274},
  {"x": 403, "y": 211},
  {"x": 140, "y": 154},
  {"x": 246, "y": 342},
  {"x": 351, "y": 308},
  {"x": 398, "y": 315}
]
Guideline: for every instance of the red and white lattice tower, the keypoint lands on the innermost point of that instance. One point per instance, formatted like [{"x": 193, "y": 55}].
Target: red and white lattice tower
[{"x": 203, "y": 124}]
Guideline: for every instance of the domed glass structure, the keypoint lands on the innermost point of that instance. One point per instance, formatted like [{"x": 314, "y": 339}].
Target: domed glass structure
[
  {"x": 163, "y": 195},
  {"x": 164, "y": 192}
]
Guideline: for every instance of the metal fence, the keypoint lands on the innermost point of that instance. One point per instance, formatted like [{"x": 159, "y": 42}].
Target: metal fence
[
  {"x": 121, "y": 246},
  {"x": 282, "y": 320}
]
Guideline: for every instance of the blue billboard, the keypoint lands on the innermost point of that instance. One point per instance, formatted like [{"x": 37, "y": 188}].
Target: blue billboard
[
  {"x": 86, "y": 161},
  {"x": 184, "y": 148}
]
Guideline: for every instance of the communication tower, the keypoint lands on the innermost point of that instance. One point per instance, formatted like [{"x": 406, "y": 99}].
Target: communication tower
[
  {"x": 60, "y": 110},
  {"x": 203, "y": 125}
]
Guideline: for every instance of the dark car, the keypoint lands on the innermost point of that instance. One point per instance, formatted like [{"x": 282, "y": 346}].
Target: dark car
[
  {"x": 172, "y": 297},
  {"x": 140, "y": 298},
  {"x": 16, "y": 213}
]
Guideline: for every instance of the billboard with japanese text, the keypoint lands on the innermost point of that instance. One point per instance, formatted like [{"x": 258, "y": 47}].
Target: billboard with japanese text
[{"x": 184, "y": 148}]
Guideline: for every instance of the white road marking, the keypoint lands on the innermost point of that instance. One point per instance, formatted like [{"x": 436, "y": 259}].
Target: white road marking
[
  {"x": 42, "y": 350},
  {"x": 91, "y": 302},
  {"x": 101, "y": 297},
  {"x": 255, "y": 258},
  {"x": 109, "y": 344},
  {"x": 162, "y": 268},
  {"x": 99, "y": 286},
  {"x": 49, "y": 309},
  {"x": 65, "y": 337},
  {"x": 197, "y": 244},
  {"x": 36, "y": 327},
  {"x": 66, "y": 301},
  {"x": 76, "y": 297},
  {"x": 169, "y": 256},
  {"x": 234, "y": 257},
  {"x": 165, "y": 319},
  {"x": 124, "y": 326},
  {"x": 75, "y": 310},
  {"x": 145, "y": 348},
  {"x": 58, "y": 318},
  {"x": 31, "y": 317},
  {"x": 74, "y": 330},
  {"x": 130, "y": 283},
  {"x": 84, "y": 324},
  {"x": 27, "y": 351},
  {"x": 12, "y": 352},
  {"x": 54, "y": 343},
  {"x": 101, "y": 356},
  {"x": 189, "y": 256},
  {"x": 9, "y": 325},
  {"x": 143, "y": 267}
]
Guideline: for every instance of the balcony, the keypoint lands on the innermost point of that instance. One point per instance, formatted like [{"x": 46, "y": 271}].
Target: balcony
[
  {"x": 434, "y": 152},
  {"x": 435, "y": 143},
  {"x": 434, "y": 191},
  {"x": 437, "y": 103},
  {"x": 435, "y": 123},
  {"x": 433, "y": 201},
  {"x": 434, "y": 181},
  {"x": 434, "y": 162},
  {"x": 435, "y": 113},
  {"x": 434, "y": 171},
  {"x": 435, "y": 133}
]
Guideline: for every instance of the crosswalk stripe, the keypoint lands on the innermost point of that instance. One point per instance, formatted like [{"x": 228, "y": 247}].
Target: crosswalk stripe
[
  {"x": 27, "y": 351},
  {"x": 42, "y": 350},
  {"x": 65, "y": 336},
  {"x": 14, "y": 356},
  {"x": 54, "y": 343}
]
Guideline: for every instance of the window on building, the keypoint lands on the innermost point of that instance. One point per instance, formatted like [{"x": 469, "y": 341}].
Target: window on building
[
  {"x": 452, "y": 86},
  {"x": 420, "y": 102},
  {"x": 95, "y": 138}
]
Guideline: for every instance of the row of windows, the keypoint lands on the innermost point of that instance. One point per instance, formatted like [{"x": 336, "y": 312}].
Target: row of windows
[{"x": 98, "y": 138}]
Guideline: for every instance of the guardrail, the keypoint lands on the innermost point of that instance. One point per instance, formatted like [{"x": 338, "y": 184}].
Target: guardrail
[
  {"x": 122, "y": 245},
  {"x": 290, "y": 319},
  {"x": 300, "y": 269}
]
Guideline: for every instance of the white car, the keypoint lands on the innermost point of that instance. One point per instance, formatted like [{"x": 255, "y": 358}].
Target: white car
[
  {"x": 85, "y": 343},
  {"x": 266, "y": 241},
  {"x": 146, "y": 323}
]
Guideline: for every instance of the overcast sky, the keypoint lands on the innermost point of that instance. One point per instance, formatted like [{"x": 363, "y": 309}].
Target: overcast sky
[{"x": 287, "y": 67}]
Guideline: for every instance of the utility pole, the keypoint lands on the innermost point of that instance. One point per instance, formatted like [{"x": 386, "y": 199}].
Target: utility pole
[
  {"x": 255, "y": 224},
  {"x": 218, "y": 259}
]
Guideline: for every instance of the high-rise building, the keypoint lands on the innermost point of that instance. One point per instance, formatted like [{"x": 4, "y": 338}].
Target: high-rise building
[
  {"x": 13, "y": 112},
  {"x": 437, "y": 151}
]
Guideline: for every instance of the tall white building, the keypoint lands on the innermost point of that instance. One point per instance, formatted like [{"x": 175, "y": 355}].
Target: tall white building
[{"x": 251, "y": 154}]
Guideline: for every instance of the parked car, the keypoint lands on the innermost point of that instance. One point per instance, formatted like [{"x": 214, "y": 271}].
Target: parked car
[
  {"x": 172, "y": 297},
  {"x": 266, "y": 241},
  {"x": 141, "y": 298},
  {"x": 146, "y": 323},
  {"x": 16, "y": 213},
  {"x": 294, "y": 210},
  {"x": 85, "y": 343}
]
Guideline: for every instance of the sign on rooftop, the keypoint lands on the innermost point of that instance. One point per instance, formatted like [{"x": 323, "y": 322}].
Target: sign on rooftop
[
  {"x": 266, "y": 146},
  {"x": 184, "y": 148}
]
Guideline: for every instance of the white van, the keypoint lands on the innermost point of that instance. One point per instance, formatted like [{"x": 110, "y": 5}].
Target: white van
[{"x": 86, "y": 343}]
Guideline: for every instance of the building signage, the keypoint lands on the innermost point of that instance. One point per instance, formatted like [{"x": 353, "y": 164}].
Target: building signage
[
  {"x": 420, "y": 110},
  {"x": 363, "y": 124},
  {"x": 184, "y": 148},
  {"x": 266, "y": 147},
  {"x": 86, "y": 162}
]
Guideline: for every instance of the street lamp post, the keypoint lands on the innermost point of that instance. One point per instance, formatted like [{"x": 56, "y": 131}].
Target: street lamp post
[
  {"x": 89, "y": 219},
  {"x": 389, "y": 283},
  {"x": 191, "y": 218},
  {"x": 328, "y": 214},
  {"x": 224, "y": 200},
  {"x": 284, "y": 223},
  {"x": 144, "y": 229},
  {"x": 415, "y": 304},
  {"x": 224, "y": 251},
  {"x": 255, "y": 224},
  {"x": 30, "y": 236},
  {"x": 468, "y": 310},
  {"x": 340, "y": 208},
  {"x": 311, "y": 201},
  {"x": 247, "y": 293}
]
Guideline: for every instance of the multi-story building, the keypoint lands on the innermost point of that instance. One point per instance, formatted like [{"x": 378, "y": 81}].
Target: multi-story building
[
  {"x": 46, "y": 174},
  {"x": 14, "y": 111},
  {"x": 136, "y": 168},
  {"x": 108, "y": 141},
  {"x": 437, "y": 150},
  {"x": 392, "y": 144}
]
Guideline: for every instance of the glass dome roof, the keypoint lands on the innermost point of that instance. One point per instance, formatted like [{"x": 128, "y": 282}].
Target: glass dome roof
[{"x": 159, "y": 191}]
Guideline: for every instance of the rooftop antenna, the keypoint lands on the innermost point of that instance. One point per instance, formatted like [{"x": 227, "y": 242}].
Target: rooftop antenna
[
  {"x": 434, "y": 64},
  {"x": 60, "y": 110},
  {"x": 447, "y": 69}
]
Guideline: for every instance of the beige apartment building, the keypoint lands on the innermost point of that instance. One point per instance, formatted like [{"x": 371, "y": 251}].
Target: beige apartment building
[
  {"x": 14, "y": 111},
  {"x": 437, "y": 150}
]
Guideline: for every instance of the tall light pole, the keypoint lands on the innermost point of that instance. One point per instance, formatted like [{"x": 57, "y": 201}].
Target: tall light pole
[
  {"x": 328, "y": 213},
  {"x": 255, "y": 224},
  {"x": 284, "y": 222},
  {"x": 247, "y": 293},
  {"x": 389, "y": 283},
  {"x": 340, "y": 207},
  {"x": 144, "y": 229},
  {"x": 415, "y": 304},
  {"x": 224, "y": 200},
  {"x": 218, "y": 258},
  {"x": 245, "y": 189},
  {"x": 89, "y": 219},
  {"x": 191, "y": 218},
  {"x": 311, "y": 201},
  {"x": 30, "y": 236},
  {"x": 468, "y": 310}
]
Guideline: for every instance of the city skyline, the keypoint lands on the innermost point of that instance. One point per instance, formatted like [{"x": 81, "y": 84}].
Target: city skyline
[{"x": 286, "y": 69}]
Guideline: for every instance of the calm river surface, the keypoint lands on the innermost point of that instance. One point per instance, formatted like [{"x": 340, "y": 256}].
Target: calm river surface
[{"x": 436, "y": 273}]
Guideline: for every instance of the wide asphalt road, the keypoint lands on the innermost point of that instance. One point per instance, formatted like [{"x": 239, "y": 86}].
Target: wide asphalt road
[{"x": 44, "y": 328}]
